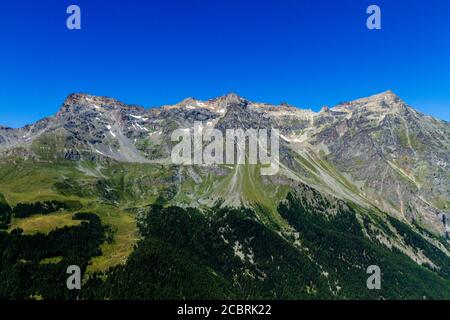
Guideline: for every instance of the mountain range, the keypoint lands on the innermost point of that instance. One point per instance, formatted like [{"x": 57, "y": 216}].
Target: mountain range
[{"x": 364, "y": 182}]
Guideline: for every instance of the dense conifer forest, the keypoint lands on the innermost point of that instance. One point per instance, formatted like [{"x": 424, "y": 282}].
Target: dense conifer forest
[{"x": 216, "y": 254}]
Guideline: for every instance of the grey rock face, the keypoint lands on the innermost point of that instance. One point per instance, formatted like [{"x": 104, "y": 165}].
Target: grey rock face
[{"x": 398, "y": 156}]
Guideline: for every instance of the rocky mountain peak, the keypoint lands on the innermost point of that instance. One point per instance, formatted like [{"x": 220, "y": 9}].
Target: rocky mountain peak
[
  {"x": 188, "y": 101},
  {"x": 385, "y": 102},
  {"x": 387, "y": 96},
  {"x": 387, "y": 93},
  {"x": 229, "y": 100},
  {"x": 80, "y": 102},
  {"x": 325, "y": 109}
]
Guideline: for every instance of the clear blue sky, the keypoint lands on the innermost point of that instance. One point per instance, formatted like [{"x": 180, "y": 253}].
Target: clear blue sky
[{"x": 307, "y": 53}]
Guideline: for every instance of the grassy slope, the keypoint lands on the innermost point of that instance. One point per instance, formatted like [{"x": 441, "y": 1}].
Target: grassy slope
[
  {"x": 28, "y": 181},
  {"x": 44, "y": 223}
]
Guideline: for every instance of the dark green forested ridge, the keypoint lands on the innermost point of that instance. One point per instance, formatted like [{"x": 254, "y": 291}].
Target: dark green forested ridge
[
  {"x": 23, "y": 271},
  {"x": 5, "y": 213},
  {"x": 23, "y": 210},
  {"x": 339, "y": 245},
  {"x": 225, "y": 253},
  {"x": 332, "y": 264}
]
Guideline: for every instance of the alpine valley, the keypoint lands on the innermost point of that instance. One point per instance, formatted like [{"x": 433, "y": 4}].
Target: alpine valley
[{"x": 363, "y": 183}]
